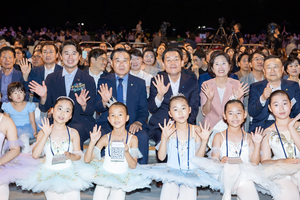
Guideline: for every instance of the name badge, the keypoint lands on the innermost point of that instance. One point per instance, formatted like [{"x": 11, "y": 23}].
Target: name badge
[
  {"x": 235, "y": 160},
  {"x": 117, "y": 152},
  {"x": 58, "y": 159}
]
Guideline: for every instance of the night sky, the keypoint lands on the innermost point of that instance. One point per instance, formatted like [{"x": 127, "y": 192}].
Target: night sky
[{"x": 254, "y": 15}]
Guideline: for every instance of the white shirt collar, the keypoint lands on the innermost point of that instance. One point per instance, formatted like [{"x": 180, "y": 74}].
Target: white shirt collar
[{"x": 64, "y": 72}]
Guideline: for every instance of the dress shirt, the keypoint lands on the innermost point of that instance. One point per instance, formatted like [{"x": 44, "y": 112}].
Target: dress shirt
[
  {"x": 47, "y": 72},
  {"x": 174, "y": 88},
  {"x": 95, "y": 77},
  {"x": 69, "y": 78}
]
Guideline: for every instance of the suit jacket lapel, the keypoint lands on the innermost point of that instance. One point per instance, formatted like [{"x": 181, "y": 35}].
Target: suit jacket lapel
[
  {"x": 228, "y": 91},
  {"x": 114, "y": 87},
  {"x": 166, "y": 82},
  {"x": 61, "y": 83},
  {"x": 130, "y": 89},
  {"x": 183, "y": 80}
]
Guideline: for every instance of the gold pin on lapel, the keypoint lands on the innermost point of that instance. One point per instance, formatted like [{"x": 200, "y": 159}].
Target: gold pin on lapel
[
  {"x": 286, "y": 89},
  {"x": 131, "y": 84},
  {"x": 78, "y": 79}
]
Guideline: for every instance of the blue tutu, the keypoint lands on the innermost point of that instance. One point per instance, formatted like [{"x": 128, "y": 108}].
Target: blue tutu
[
  {"x": 25, "y": 129},
  {"x": 128, "y": 181},
  {"x": 58, "y": 181},
  {"x": 192, "y": 178}
]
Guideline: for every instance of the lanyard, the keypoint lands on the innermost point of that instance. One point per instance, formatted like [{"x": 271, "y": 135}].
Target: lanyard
[
  {"x": 227, "y": 143},
  {"x": 282, "y": 143},
  {"x": 188, "y": 156},
  {"x": 51, "y": 142},
  {"x": 109, "y": 143}
]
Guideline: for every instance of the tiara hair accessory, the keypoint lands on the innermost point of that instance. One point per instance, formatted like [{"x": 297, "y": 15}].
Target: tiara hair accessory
[
  {"x": 65, "y": 97},
  {"x": 111, "y": 102},
  {"x": 233, "y": 97},
  {"x": 178, "y": 95}
]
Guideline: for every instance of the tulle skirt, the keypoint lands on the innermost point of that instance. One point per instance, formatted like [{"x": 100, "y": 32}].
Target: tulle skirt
[
  {"x": 192, "y": 178},
  {"x": 19, "y": 168},
  {"x": 59, "y": 181},
  {"x": 280, "y": 170},
  {"x": 25, "y": 129},
  {"x": 128, "y": 181},
  {"x": 248, "y": 172}
]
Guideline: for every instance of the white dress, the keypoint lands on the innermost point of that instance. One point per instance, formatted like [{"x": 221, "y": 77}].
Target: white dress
[
  {"x": 248, "y": 171},
  {"x": 58, "y": 178},
  {"x": 116, "y": 175},
  {"x": 281, "y": 170}
]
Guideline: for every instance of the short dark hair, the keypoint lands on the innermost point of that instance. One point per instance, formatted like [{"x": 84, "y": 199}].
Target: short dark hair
[
  {"x": 200, "y": 54},
  {"x": 282, "y": 92},
  {"x": 214, "y": 55},
  {"x": 15, "y": 86},
  {"x": 150, "y": 49},
  {"x": 232, "y": 102},
  {"x": 239, "y": 26},
  {"x": 178, "y": 97},
  {"x": 136, "y": 52},
  {"x": 8, "y": 49},
  {"x": 49, "y": 43},
  {"x": 120, "y": 50},
  {"x": 289, "y": 61},
  {"x": 272, "y": 57},
  {"x": 119, "y": 104},
  {"x": 255, "y": 52},
  {"x": 71, "y": 43},
  {"x": 95, "y": 53},
  {"x": 179, "y": 51},
  {"x": 187, "y": 54},
  {"x": 241, "y": 56}
]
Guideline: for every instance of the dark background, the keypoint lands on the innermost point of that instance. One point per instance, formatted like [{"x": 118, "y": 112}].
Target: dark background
[{"x": 254, "y": 15}]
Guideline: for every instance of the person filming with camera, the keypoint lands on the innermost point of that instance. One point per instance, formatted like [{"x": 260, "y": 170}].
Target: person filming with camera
[{"x": 237, "y": 37}]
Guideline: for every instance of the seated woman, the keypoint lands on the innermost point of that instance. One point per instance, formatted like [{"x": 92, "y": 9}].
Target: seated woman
[
  {"x": 291, "y": 67},
  {"x": 217, "y": 91}
]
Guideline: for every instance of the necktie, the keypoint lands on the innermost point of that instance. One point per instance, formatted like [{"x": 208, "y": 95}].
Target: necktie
[{"x": 120, "y": 91}]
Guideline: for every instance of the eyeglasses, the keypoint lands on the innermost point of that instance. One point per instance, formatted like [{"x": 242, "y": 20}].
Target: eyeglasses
[
  {"x": 36, "y": 57},
  {"x": 269, "y": 69},
  {"x": 103, "y": 59},
  {"x": 258, "y": 59}
]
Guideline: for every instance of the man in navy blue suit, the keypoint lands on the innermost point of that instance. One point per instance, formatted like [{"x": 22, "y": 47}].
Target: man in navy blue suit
[
  {"x": 168, "y": 83},
  {"x": 39, "y": 74},
  {"x": 261, "y": 91},
  {"x": 73, "y": 83},
  {"x": 8, "y": 73},
  {"x": 129, "y": 90}
]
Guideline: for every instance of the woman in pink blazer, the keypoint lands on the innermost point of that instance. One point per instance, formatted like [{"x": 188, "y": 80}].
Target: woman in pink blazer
[{"x": 217, "y": 91}]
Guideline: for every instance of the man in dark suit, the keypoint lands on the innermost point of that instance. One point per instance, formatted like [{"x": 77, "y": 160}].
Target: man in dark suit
[
  {"x": 129, "y": 90},
  {"x": 261, "y": 91},
  {"x": 168, "y": 83},
  {"x": 98, "y": 61},
  {"x": 39, "y": 74},
  {"x": 73, "y": 83},
  {"x": 8, "y": 74}
]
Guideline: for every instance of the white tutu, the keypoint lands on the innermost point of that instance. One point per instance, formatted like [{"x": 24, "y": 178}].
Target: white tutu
[
  {"x": 248, "y": 171},
  {"x": 192, "y": 178}
]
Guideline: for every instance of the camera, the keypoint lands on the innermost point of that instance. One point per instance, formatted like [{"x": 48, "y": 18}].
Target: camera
[
  {"x": 221, "y": 21},
  {"x": 271, "y": 28}
]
